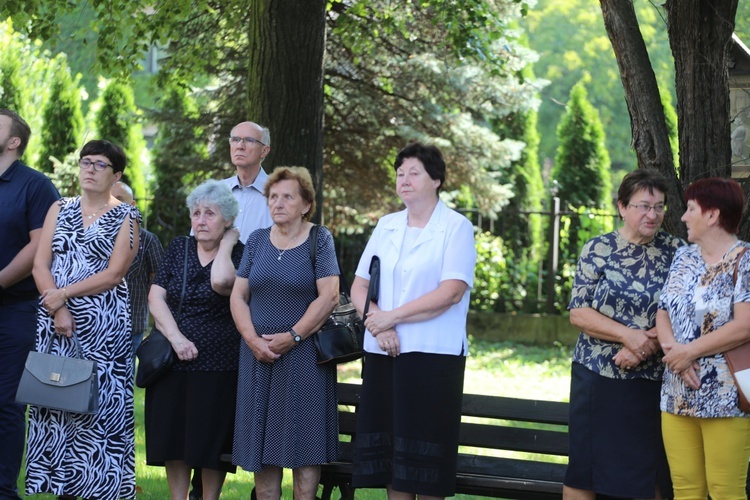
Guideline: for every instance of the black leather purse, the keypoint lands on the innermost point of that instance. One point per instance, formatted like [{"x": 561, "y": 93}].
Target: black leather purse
[
  {"x": 341, "y": 338},
  {"x": 155, "y": 354}
]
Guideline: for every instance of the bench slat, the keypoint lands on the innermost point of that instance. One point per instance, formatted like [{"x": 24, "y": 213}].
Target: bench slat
[
  {"x": 525, "y": 410},
  {"x": 510, "y": 467},
  {"x": 513, "y": 438}
]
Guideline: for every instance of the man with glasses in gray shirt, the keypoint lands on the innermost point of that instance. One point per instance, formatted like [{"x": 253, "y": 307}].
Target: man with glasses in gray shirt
[{"x": 249, "y": 144}]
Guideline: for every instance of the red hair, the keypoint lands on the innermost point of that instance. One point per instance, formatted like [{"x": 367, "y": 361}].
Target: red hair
[{"x": 724, "y": 195}]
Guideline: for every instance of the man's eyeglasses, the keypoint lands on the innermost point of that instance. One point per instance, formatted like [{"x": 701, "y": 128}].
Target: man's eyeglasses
[
  {"x": 85, "y": 163},
  {"x": 645, "y": 208},
  {"x": 247, "y": 140}
]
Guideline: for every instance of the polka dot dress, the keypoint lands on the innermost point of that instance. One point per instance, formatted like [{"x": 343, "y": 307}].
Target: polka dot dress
[{"x": 286, "y": 410}]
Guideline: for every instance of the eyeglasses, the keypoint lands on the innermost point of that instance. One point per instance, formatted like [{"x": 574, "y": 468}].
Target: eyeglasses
[
  {"x": 645, "y": 208},
  {"x": 247, "y": 140},
  {"x": 85, "y": 163}
]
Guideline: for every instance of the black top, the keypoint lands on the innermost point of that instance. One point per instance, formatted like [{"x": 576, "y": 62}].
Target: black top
[{"x": 205, "y": 318}]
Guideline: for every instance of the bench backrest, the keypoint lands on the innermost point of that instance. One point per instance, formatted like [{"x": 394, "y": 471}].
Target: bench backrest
[{"x": 501, "y": 425}]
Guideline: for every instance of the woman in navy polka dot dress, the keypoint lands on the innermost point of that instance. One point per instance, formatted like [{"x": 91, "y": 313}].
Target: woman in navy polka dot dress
[{"x": 286, "y": 403}]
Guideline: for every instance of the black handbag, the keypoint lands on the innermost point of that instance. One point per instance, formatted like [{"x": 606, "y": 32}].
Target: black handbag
[
  {"x": 59, "y": 382},
  {"x": 341, "y": 338},
  {"x": 155, "y": 354}
]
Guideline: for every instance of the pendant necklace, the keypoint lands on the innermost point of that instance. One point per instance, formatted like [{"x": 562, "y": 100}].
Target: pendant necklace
[
  {"x": 91, "y": 216},
  {"x": 281, "y": 252}
]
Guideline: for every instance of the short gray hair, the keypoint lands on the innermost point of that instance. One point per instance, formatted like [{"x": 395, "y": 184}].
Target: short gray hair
[
  {"x": 215, "y": 193},
  {"x": 265, "y": 135}
]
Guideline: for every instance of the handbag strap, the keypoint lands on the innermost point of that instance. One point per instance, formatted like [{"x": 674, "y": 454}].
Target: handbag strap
[
  {"x": 75, "y": 340},
  {"x": 343, "y": 282},
  {"x": 737, "y": 264},
  {"x": 184, "y": 278},
  {"x": 373, "y": 290}
]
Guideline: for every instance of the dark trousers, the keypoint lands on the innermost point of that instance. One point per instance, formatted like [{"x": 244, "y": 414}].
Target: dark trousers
[{"x": 17, "y": 337}]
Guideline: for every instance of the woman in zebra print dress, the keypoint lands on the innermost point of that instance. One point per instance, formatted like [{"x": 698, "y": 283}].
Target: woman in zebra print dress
[{"x": 86, "y": 247}]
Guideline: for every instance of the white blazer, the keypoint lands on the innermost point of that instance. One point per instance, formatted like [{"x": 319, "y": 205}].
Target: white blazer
[{"x": 444, "y": 250}]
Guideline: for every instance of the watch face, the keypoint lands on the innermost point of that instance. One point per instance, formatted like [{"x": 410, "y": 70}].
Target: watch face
[{"x": 297, "y": 338}]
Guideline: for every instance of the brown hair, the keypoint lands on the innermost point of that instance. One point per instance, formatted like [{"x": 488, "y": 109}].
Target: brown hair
[{"x": 302, "y": 176}]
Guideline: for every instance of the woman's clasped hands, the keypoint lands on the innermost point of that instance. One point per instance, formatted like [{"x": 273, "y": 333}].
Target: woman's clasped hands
[
  {"x": 53, "y": 299},
  {"x": 638, "y": 347},
  {"x": 679, "y": 359},
  {"x": 381, "y": 325}
]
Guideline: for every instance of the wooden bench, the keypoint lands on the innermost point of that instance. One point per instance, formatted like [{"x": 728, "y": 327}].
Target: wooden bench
[{"x": 503, "y": 426}]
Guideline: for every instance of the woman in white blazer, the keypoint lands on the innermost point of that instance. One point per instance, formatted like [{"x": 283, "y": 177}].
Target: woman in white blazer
[{"x": 416, "y": 346}]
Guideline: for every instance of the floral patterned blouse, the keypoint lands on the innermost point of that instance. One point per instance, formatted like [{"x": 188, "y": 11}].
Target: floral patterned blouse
[
  {"x": 621, "y": 280},
  {"x": 699, "y": 300}
]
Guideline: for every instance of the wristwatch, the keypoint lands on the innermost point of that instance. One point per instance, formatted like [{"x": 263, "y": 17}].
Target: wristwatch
[{"x": 296, "y": 336}]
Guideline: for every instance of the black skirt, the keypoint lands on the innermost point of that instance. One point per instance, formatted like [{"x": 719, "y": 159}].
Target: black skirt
[
  {"x": 616, "y": 447},
  {"x": 190, "y": 417},
  {"x": 408, "y": 422}
]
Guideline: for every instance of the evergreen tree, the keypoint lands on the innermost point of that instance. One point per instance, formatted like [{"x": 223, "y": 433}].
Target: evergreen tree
[
  {"x": 12, "y": 88},
  {"x": 582, "y": 162},
  {"x": 11, "y": 83},
  {"x": 178, "y": 148},
  {"x": 522, "y": 231},
  {"x": 62, "y": 117},
  {"x": 583, "y": 179},
  {"x": 118, "y": 121}
]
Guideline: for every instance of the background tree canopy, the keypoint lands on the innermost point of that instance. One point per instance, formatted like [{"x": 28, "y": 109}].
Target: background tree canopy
[
  {"x": 344, "y": 84},
  {"x": 394, "y": 72}
]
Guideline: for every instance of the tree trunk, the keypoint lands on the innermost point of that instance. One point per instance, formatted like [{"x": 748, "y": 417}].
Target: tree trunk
[
  {"x": 648, "y": 124},
  {"x": 285, "y": 82},
  {"x": 700, "y": 34}
]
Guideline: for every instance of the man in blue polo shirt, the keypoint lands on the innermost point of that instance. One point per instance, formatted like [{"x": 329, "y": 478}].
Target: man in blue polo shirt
[{"x": 25, "y": 197}]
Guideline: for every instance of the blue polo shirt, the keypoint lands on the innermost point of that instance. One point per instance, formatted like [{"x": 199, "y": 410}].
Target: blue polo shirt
[{"x": 25, "y": 198}]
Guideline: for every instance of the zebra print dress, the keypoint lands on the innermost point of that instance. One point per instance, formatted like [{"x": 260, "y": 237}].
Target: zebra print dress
[{"x": 88, "y": 456}]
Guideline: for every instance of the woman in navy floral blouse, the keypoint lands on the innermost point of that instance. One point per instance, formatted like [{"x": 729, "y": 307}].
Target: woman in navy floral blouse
[
  {"x": 703, "y": 311},
  {"x": 615, "y": 438}
]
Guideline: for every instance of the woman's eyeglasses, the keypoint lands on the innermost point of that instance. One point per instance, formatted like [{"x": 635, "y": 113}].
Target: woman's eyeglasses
[
  {"x": 85, "y": 163},
  {"x": 645, "y": 208}
]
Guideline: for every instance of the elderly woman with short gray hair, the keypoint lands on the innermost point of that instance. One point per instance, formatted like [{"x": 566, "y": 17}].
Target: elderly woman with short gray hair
[{"x": 184, "y": 430}]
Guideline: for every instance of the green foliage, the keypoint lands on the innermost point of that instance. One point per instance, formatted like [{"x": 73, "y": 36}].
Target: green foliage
[
  {"x": 117, "y": 28},
  {"x": 65, "y": 175},
  {"x": 670, "y": 115},
  {"x": 34, "y": 74},
  {"x": 62, "y": 130},
  {"x": 12, "y": 89},
  {"x": 520, "y": 229},
  {"x": 582, "y": 162},
  {"x": 742, "y": 22},
  {"x": 500, "y": 285},
  {"x": 118, "y": 121},
  {"x": 571, "y": 41},
  {"x": 581, "y": 171},
  {"x": 392, "y": 77},
  {"x": 177, "y": 150},
  {"x": 577, "y": 227},
  {"x": 434, "y": 70},
  {"x": 489, "y": 273}
]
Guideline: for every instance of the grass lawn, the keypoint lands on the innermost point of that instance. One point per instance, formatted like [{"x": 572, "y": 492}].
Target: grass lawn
[{"x": 498, "y": 369}]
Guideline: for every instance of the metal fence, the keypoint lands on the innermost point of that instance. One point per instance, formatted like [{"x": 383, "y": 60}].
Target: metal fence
[{"x": 547, "y": 292}]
